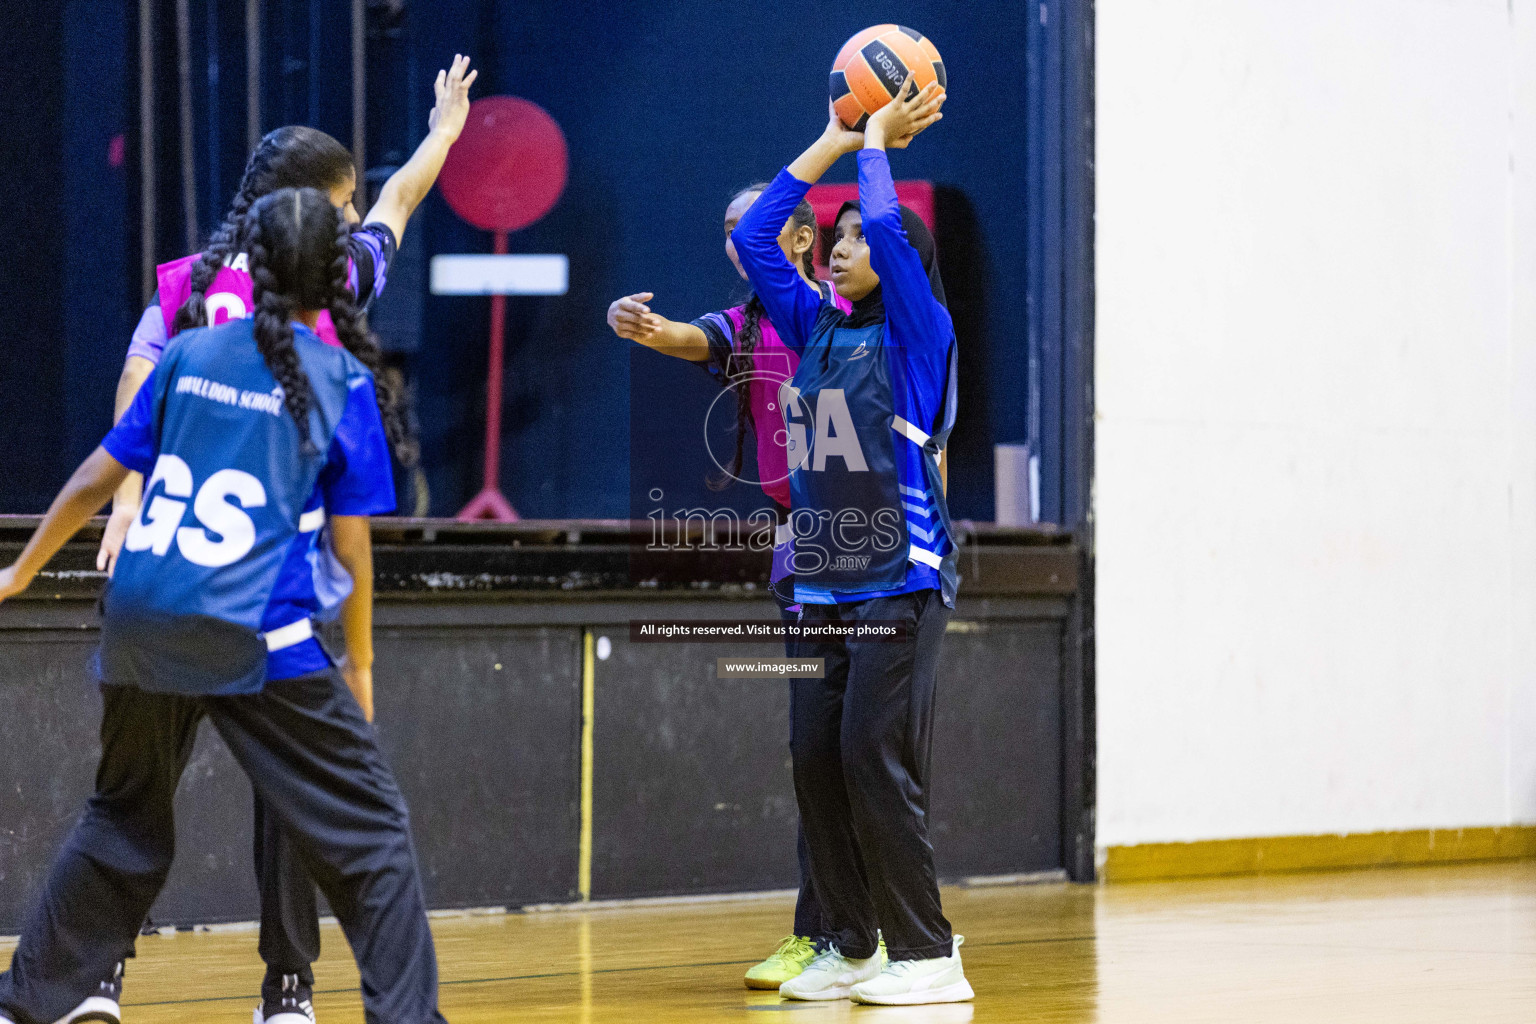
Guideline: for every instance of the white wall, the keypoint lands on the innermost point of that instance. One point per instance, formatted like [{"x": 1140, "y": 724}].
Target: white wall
[{"x": 1316, "y": 442}]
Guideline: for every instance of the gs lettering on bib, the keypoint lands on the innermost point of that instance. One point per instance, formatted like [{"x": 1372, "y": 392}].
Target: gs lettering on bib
[
  {"x": 228, "y": 297},
  {"x": 157, "y": 525}
]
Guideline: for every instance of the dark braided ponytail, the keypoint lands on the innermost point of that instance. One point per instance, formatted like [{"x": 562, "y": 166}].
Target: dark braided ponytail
[
  {"x": 291, "y": 157},
  {"x": 274, "y": 239},
  {"x": 297, "y": 242},
  {"x": 355, "y": 336},
  {"x": 752, "y": 332}
]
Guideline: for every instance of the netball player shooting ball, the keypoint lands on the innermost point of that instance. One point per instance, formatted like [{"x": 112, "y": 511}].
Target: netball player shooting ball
[
  {"x": 742, "y": 349},
  {"x": 216, "y": 285},
  {"x": 884, "y": 377}
]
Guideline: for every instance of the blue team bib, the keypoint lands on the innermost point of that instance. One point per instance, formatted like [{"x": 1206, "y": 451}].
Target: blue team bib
[
  {"x": 182, "y": 613},
  {"x": 850, "y": 531}
]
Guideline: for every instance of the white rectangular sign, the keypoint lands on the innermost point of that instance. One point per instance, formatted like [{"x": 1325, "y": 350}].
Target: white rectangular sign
[{"x": 517, "y": 274}]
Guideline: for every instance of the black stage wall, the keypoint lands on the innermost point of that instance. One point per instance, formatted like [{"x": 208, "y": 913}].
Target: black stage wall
[{"x": 488, "y": 641}]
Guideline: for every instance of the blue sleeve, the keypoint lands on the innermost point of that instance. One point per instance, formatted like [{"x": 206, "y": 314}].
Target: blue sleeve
[
  {"x": 791, "y": 305},
  {"x": 132, "y": 441},
  {"x": 357, "y": 479},
  {"x": 917, "y": 320}
]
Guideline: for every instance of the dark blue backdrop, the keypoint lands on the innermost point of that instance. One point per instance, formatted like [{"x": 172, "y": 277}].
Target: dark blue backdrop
[{"x": 668, "y": 107}]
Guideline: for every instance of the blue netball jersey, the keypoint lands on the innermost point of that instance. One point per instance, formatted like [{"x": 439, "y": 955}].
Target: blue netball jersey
[
  {"x": 229, "y": 560},
  {"x": 870, "y": 407}
]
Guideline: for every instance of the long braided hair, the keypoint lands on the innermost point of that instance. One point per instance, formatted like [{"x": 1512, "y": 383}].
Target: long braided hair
[
  {"x": 752, "y": 332},
  {"x": 291, "y": 157},
  {"x": 352, "y": 330},
  {"x": 297, "y": 245}
]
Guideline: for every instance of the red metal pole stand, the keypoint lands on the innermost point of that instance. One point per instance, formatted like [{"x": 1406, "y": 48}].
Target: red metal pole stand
[{"x": 490, "y": 503}]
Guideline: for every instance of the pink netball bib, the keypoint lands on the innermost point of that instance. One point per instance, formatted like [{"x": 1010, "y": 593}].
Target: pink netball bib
[
  {"x": 227, "y": 298},
  {"x": 773, "y": 364}
]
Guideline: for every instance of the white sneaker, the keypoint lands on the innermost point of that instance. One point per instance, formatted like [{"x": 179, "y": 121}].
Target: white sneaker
[
  {"x": 832, "y": 975},
  {"x": 97, "y": 1008},
  {"x": 304, "y": 1015},
  {"x": 909, "y": 982},
  {"x": 101, "y": 1008}
]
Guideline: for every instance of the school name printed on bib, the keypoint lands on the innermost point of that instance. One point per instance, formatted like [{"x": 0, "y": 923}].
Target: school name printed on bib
[{"x": 270, "y": 402}]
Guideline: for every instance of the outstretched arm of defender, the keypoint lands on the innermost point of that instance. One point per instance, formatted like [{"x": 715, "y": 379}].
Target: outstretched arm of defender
[
  {"x": 88, "y": 489},
  {"x": 408, "y": 186},
  {"x": 632, "y": 319}
]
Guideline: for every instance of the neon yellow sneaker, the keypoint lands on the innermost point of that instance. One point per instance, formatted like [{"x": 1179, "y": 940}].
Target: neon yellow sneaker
[{"x": 792, "y": 956}]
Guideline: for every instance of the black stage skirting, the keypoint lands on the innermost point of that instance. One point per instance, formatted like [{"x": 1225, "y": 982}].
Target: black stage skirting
[{"x": 488, "y": 639}]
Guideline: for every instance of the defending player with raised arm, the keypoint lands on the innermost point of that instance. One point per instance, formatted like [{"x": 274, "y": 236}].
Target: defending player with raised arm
[{"x": 212, "y": 286}]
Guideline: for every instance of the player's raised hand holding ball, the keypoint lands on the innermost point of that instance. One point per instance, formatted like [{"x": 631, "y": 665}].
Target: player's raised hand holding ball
[{"x": 896, "y": 124}]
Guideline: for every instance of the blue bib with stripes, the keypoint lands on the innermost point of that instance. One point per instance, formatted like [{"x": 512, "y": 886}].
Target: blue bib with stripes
[{"x": 850, "y": 530}]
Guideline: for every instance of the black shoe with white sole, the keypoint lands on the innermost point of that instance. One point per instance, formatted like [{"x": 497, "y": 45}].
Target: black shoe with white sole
[
  {"x": 101, "y": 1008},
  {"x": 288, "y": 1005}
]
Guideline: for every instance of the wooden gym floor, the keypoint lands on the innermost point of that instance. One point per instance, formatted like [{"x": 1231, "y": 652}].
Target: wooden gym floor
[{"x": 1407, "y": 945}]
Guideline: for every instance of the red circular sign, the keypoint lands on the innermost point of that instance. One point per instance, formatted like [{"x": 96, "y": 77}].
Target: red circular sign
[{"x": 509, "y": 166}]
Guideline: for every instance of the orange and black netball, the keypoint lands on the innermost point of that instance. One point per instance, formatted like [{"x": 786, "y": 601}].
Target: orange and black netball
[{"x": 872, "y": 65}]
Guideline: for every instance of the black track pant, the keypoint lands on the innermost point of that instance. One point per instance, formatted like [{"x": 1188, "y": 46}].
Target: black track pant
[
  {"x": 809, "y": 920},
  {"x": 861, "y": 740},
  {"x": 316, "y": 767},
  {"x": 290, "y": 914}
]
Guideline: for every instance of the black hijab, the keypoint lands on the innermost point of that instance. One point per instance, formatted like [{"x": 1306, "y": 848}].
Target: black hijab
[{"x": 871, "y": 308}]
